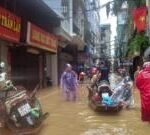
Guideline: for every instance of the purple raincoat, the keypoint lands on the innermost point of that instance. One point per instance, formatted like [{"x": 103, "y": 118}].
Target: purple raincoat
[{"x": 69, "y": 84}]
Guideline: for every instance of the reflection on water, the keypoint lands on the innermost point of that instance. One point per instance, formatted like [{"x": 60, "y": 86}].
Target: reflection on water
[{"x": 77, "y": 118}]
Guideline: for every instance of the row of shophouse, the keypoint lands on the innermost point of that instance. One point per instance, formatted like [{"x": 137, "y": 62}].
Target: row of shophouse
[
  {"x": 38, "y": 37},
  {"x": 122, "y": 32}
]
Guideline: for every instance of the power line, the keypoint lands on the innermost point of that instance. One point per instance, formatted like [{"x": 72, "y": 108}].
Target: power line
[
  {"x": 87, "y": 10},
  {"x": 108, "y": 42},
  {"x": 83, "y": 11}
]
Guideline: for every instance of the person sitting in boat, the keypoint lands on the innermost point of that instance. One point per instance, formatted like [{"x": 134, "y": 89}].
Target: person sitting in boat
[
  {"x": 95, "y": 79},
  {"x": 122, "y": 72},
  {"x": 81, "y": 76},
  {"x": 127, "y": 95},
  {"x": 104, "y": 87},
  {"x": 92, "y": 71},
  {"x": 93, "y": 88},
  {"x": 122, "y": 93}
]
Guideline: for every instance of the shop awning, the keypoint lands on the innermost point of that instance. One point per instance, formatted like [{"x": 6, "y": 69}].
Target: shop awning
[
  {"x": 57, "y": 8},
  {"x": 63, "y": 35},
  {"x": 42, "y": 13}
]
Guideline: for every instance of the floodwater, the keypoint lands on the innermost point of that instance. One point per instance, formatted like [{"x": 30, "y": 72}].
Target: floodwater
[{"x": 77, "y": 118}]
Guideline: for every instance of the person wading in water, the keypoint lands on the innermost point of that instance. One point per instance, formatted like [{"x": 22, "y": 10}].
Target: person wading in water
[
  {"x": 142, "y": 81},
  {"x": 69, "y": 83}
]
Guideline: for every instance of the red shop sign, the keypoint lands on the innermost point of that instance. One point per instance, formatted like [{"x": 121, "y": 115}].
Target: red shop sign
[
  {"x": 10, "y": 26},
  {"x": 39, "y": 38}
]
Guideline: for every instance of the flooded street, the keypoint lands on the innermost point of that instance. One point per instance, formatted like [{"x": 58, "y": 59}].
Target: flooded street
[
  {"x": 77, "y": 118},
  {"x": 48, "y": 44}
]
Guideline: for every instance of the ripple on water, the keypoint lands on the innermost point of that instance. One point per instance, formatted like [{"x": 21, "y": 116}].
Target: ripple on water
[
  {"x": 108, "y": 130},
  {"x": 83, "y": 113}
]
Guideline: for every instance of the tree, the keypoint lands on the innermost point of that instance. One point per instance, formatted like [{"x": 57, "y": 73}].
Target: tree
[
  {"x": 137, "y": 45},
  {"x": 137, "y": 42}
]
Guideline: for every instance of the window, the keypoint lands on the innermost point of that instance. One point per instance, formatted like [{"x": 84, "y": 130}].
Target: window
[{"x": 65, "y": 7}]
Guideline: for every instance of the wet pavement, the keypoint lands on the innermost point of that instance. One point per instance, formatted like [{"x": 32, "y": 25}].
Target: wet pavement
[{"x": 77, "y": 118}]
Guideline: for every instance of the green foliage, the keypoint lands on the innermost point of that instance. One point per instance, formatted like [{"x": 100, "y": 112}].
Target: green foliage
[
  {"x": 138, "y": 3},
  {"x": 138, "y": 41},
  {"x": 137, "y": 44}
]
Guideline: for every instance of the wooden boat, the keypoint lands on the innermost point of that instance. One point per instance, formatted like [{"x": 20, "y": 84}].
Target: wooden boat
[
  {"x": 5, "y": 118},
  {"x": 98, "y": 105},
  {"x": 27, "y": 131}
]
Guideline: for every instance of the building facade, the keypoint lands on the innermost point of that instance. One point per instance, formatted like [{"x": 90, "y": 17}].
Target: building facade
[
  {"x": 93, "y": 34},
  {"x": 70, "y": 32},
  {"x": 105, "y": 43},
  {"x": 122, "y": 32},
  {"x": 56, "y": 33},
  {"x": 27, "y": 44}
]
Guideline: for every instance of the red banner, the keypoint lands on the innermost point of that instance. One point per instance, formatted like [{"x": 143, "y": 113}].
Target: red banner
[
  {"x": 139, "y": 15},
  {"x": 10, "y": 26},
  {"x": 39, "y": 38}
]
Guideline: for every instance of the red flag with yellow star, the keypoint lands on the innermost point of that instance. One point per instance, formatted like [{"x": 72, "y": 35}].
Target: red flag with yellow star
[{"x": 139, "y": 16}]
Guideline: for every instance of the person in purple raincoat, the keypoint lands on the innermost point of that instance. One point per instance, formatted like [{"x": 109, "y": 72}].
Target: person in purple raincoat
[{"x": 69, "y": 83}]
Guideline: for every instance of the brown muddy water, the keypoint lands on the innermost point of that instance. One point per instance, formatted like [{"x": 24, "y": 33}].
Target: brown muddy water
[{"x": 77, "y": 118}]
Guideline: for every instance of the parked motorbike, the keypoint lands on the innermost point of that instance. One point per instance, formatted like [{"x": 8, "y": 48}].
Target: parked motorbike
[{"x": 20, "y": 112}]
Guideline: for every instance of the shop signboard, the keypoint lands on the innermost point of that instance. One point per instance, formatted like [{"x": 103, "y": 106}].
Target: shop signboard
[
  {"x": 39, "y": 38},
  {"x": 10, "y": 26}
]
